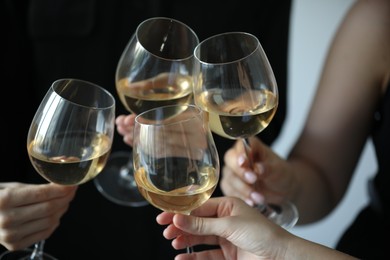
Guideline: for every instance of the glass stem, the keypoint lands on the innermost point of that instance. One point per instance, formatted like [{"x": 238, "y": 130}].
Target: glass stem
[
  {"x": 37, "y": 253},
  {"x": 263, "y": 208},
  {"x": 126, "y": 174},
  {"x": 248, "y": 151},
  {"x": 282, "y": 216},
  {"x": 189, "y": 249}
]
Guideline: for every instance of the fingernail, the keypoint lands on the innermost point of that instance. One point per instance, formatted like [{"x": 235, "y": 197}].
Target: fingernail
[
  {"x": 259, "y": 168},
  {"x": 257, "y": 197},
  {"x": 249, "y": 202},
  {"x": 250, "y": 177},
  {"x": 241, "y": 160}
]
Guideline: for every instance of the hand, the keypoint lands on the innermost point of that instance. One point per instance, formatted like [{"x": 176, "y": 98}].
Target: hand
[
  {"x": 241, "y": 232},
  {"x": 30, "y": 213},
  {"x": 267, "y": 180},
  {"x": 125, "y": 126},
  {"x": 179, "y": 133}
]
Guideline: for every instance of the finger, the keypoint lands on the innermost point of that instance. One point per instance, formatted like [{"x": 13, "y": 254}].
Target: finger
[
  {"x": 48, "y": 208},
  {"x": 182, "y": 241},
  {"x": 31, "y": 193},
  {"x": 119, "y": 120},
  {"x": 232, "y": 185},
  {"x": 165, "y": 218},
  {"x": 129, "y": 120},
  {"x": 4, "y": 185},
  {"x": 124, "y": 129},
  {"x": 28, "y": 232},
  {"x": 208, "y": 209},
  {"x": 237, "y": 161},
  {"x": 22, "y": 231},
  {"x": 128, "y": 139},
  {"x": 26, "y": 241},
  {"x": 207, "y": 228},
  {"x": 212, "y": 218},
  {"x": 15, "y": 217},
  {"x": 125, "y": 121},
  {"x": 171, "y": 232}
]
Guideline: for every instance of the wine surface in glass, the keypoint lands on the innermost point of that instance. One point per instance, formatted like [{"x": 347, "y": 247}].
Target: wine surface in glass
[
  {"x": 177, "y": 194},
  {"x": 238, "y": 116},
  {"x": 147, "y": 94},
  {"x": 75, "y": 165}
]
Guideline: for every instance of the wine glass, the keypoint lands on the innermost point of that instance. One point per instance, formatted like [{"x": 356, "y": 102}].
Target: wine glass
[
  {"x": 155, "y": 69},
  {"x": 69, "y": 140},
  {"x": 236, "y": 86},
  {"x": 176, "y": 161}
]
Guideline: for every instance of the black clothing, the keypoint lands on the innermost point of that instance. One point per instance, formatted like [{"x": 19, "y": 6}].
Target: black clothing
[
  {"x": 365, "y": 238},
  {"x": 51, "y": 39}
]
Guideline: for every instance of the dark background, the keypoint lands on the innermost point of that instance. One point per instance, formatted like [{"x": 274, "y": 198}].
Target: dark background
[{"x": 44, "y": 40}]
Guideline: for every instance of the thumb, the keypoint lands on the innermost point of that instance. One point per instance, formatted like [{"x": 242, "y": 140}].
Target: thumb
[{"x": 201, "y": 225}]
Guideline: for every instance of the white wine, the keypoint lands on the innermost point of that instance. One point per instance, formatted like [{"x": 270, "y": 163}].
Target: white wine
[
  {"x": 148, "y": 94},
  {"x": 76, "y": 164},
  {"x": 238, "y": 116},
  {"x": 179, "y": 194}
]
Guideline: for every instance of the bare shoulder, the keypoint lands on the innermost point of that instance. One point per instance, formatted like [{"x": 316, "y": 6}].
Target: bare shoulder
[
  {"x": 372, "y": 18},
  {"x": 371, "y": 12},
  {"x": 376, "y": 8}
]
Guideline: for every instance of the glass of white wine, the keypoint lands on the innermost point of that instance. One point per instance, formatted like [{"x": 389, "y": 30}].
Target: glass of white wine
[
  {"x": 69, "y": 140},
  {"x": 155, "y": 69},
  {"x": 236, "y": 87},
  {"x": 176, "y": 161}
]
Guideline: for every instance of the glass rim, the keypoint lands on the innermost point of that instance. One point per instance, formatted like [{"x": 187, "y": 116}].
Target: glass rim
[
  {"x": 220, "y": 35},
  {"x": 197, "y": 111},
  {"x": 58, "y": 85},
  {"x": 165, "y": 18}
]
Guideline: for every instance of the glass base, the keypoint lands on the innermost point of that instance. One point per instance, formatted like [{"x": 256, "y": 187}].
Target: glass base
[
  {"x": 285, "y": 215},
  {"x": 24, "y": 255},
  {"x": 116, "y": 182}
]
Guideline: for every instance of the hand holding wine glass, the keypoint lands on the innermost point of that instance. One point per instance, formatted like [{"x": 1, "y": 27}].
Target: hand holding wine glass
[
  {"x": 176, "y": 162},
  {"x": 155, "y": 69},
  {"x": 31, "y": 212},
  {"x": 69, "y": 139},
  {"x": 236, "y": 87}
]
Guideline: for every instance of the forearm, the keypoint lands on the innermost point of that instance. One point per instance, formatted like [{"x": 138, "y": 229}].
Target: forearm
[
  {"x": 310, "y": 191},
  {"x": 299, "y": 248}
]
